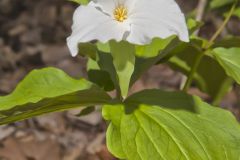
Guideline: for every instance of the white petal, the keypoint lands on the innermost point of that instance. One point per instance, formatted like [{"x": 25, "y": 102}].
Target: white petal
[
  {"x": 91, "y": 24},
  {"x": 129, "y": 4},
  {"x": 108, "y": 6},
  {"x": 156, "y": 18}
]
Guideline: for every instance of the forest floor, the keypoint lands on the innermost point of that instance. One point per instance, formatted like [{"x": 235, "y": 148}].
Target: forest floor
[{"x": 32, "y": 35}]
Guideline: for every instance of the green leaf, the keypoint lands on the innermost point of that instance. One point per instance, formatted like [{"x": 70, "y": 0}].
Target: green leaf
[
  {"x": 157, "y": 45},
  {"x": 171, "y": 125},
  {"x": 228, "y": 42},
  {"x": 237, "y": 12},
  {"x": 229, "y": 59},
  {"x": 48, "y": 90},
  {"x": 92, "y": 65},
  {"x": 206, "y": 81},
  {"x": 83, "y": 2},
  {"x": 220, "y": 3},
  {"x": 86, "y": 111},
  {"x": 102, "y": 72},
  {"x": 102, "y": 78},
  {"x": 124, "y": 61},
  {"x": 193, "y": 25},
  {"x": 105, "y": 63},
  {"x": 87, "y": 49},
  {"x": 103, "y": 47},
  {"x": 178, "y": 64},
  {"x": 143, "y": 64},
  {"x": 153, "y": 49}
]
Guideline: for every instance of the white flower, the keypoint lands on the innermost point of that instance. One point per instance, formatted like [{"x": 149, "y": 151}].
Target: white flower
[{"x": 136, "y": 21}]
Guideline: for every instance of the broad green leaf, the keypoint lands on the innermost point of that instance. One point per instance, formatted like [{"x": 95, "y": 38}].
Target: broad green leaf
[
  {"x": 124, "y": 61},
  {"x": 169, "y": 126},
  {"x": 83, "y": 2},
  {"x": 48, "y": 90},
  {"x": 206, "y": 81},
  {"x": 229, "y": 59}
]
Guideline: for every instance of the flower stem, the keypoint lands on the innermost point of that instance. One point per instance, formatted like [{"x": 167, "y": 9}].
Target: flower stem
[
  {"x": 220, "y": 29},
  {"x": 192, "y": 72},
  {"x": 208, "y": 45}
]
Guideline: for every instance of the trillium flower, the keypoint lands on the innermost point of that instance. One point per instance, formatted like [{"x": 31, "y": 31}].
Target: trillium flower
[{"x": 136, "y": 21}]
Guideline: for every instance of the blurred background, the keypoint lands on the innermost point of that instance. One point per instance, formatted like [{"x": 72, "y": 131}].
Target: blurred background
[{"x": 32, "y": 35}]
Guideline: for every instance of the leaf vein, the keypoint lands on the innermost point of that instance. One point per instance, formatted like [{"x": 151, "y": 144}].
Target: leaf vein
[
  {"x": 149, "y": 137},
  {"x": 194, "y": 135},
  {"x": 170, "y": 135}
]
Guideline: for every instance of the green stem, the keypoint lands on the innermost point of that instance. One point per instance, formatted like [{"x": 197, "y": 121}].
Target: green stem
[
  {"x": 192, "y": 72},
  {"x": 118, "y": 94},
  {"x": 221, "y": 28},
  {"x": 209, "y": 44}
]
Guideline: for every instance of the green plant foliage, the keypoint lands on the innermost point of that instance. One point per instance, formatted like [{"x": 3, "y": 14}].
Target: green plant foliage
[
  {"x": 102, "y": 78},
  {"x": 98, "y": 76},
  {"x": 102, "y": 72},
  {"x": 229, "y": 59},
  {"x": 48, "y": 90},
  {"x": 216, "y": 85},
  {"x": 237, "y": 12},
  {"x": 87, "y": 49},
  {"x": 83, "y": 2},
  {"x": 159, "y": 51},
  {"x": 143, "y": 64},
  {"x": 151, "y": 124},
  {"x": 220, "y": 3},
  {"x": 228, "y": 42},
  {"x": 124, "y": 62},
  {"x": 86, "y": 111},
  {"x": 103, "y": 47},
  {"x": 154, "y": 48},
  {"x": 193, "y": 25},
  {"x": 171, "y": 125}
]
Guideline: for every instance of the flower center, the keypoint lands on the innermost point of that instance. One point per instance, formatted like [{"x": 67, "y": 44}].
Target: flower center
[{"x": 120, "y": 13}]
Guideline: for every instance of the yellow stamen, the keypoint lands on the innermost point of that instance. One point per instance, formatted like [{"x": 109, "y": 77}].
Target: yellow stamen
[{"x": 120, "y": 13}]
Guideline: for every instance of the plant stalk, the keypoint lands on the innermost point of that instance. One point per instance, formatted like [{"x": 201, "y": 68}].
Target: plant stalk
[
  {"x": 221, "y": 28},
  {"x": 209, "y": 44},
  {"x": 192, "y": 72}
]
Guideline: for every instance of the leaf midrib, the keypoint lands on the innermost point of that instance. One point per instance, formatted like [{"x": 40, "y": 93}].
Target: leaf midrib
[
  {"x": 149, "y": 137},
  {"x": 192, "y": 132},
  {"x": 169, "y": 133}
]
